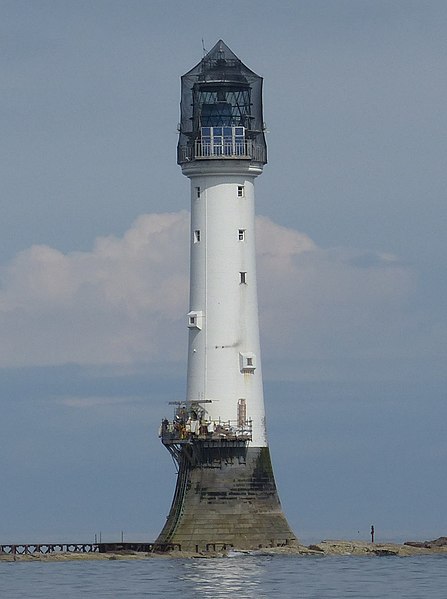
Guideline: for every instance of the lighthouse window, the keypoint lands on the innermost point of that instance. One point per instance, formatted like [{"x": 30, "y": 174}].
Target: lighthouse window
[
  {"x": 240, "y": 191},
  {"x": 217, "y": 143},
  {"x": 197, "y": 192},
  {"x": 221, "y": 141},
  {"x": 243, "y": 276},
  {"x": 196, "y": 235},
  {"x": 241, "y": 234},
  {"x": 195, "y": 320},
  {"x": 228, "y": 140},
  {"x": 247, "y": 362}
]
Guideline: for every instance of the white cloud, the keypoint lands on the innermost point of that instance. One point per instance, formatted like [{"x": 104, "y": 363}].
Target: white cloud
[
  {"x": 119, "y": 303},
  {"x": 125, "y": 301},
  {"x": 323, "y": 303}
]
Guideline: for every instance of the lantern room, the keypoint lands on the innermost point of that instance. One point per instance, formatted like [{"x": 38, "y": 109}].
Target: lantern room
[{"x": 221, "y": 110}]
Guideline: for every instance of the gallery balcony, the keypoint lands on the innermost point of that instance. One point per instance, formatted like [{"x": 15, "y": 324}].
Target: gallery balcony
[{"x": 244, "y": 150}]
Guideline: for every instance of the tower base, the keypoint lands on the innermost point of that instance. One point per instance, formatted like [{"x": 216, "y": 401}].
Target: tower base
[{"x": 225, "y": 497}]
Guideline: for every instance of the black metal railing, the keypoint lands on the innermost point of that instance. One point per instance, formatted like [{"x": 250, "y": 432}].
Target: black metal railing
[{"x": 22, "y": 549}]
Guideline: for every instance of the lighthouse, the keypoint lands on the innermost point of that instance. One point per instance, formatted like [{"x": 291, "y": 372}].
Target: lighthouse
[{"x": 225, "y": 494}]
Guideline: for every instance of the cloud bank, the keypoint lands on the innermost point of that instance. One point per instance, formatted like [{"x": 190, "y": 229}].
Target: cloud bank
[
  {"x": 124, "y": 301},
  {"x": 119, "y": 303}
]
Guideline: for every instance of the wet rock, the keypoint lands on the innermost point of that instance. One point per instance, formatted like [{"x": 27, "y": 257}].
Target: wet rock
[
  {"x": 436, "y": 543},
  {"x": 384, "y": 552},
  {"x": 359, "y": 548},
  {"x": 439, "y": 542}
]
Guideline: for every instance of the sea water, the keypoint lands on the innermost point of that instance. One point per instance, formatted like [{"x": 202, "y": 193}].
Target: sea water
[{"x": 239, "y": 577}]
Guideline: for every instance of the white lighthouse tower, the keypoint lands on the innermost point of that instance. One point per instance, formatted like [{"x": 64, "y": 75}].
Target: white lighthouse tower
[{"x": 226, "y": 493}]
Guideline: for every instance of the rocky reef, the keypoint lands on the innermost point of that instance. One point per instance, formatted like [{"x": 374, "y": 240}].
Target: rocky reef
[{"x": 323, "y": 549}]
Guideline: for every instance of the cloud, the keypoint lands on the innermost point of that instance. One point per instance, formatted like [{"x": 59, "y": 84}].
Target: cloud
[
  {"x": 124, "y": 302},
  {"x": 330, "y": 306},
  {"x": 119, "y": 303}
]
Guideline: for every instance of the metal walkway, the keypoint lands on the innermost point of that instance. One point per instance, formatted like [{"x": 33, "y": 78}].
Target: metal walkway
[{"x": 49, "y": 548}]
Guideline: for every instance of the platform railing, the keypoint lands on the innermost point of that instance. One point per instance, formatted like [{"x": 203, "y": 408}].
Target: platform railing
[
  {"x": 178, "y": 431},
  {"x": 244, "y": 150}
]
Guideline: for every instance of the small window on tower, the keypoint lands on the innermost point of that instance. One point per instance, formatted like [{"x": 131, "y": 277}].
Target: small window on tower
[
  {"x": 241, "y": 234},
  {"x": 247, "y": 362},
  {"x": 197, "y": 192},
  {"x": 243, "y": 278},
  {"x": 195, "y": 320},
  {"x": 197, "y": 236},
  {"x": 240, "y": 191}
]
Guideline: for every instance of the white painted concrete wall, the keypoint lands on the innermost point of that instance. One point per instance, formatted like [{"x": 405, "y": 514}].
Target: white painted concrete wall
[{"x": 225, "y": 309}]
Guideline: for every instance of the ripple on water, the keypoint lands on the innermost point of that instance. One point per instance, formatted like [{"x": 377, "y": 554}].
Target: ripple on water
[{"x": 241, "y": 577}]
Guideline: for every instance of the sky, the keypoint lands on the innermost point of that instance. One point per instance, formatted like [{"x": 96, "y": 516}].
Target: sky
[{"x": 351, "y": 242}]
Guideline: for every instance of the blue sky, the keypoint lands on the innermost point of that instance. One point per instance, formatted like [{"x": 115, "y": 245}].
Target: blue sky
[{"x": 351, "y": 259}]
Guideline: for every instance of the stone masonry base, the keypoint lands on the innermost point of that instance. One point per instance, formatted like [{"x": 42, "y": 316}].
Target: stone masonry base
[{"x": 226, "y": 497}]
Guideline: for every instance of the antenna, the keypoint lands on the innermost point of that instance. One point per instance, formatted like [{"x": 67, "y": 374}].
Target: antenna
[{"x": 203, "y": 47}]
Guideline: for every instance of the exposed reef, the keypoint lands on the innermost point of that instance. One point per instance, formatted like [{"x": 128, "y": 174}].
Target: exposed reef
[
  {"x": 359, "y": 548},
  {"x": 322, "y": 549}
]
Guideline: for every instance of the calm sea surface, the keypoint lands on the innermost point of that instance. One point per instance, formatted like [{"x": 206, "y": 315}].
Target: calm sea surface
[{"x": 241, "y": 577}]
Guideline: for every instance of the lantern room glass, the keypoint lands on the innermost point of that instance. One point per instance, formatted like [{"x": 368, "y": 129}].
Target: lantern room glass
[{"x": 221, "y": 110}]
